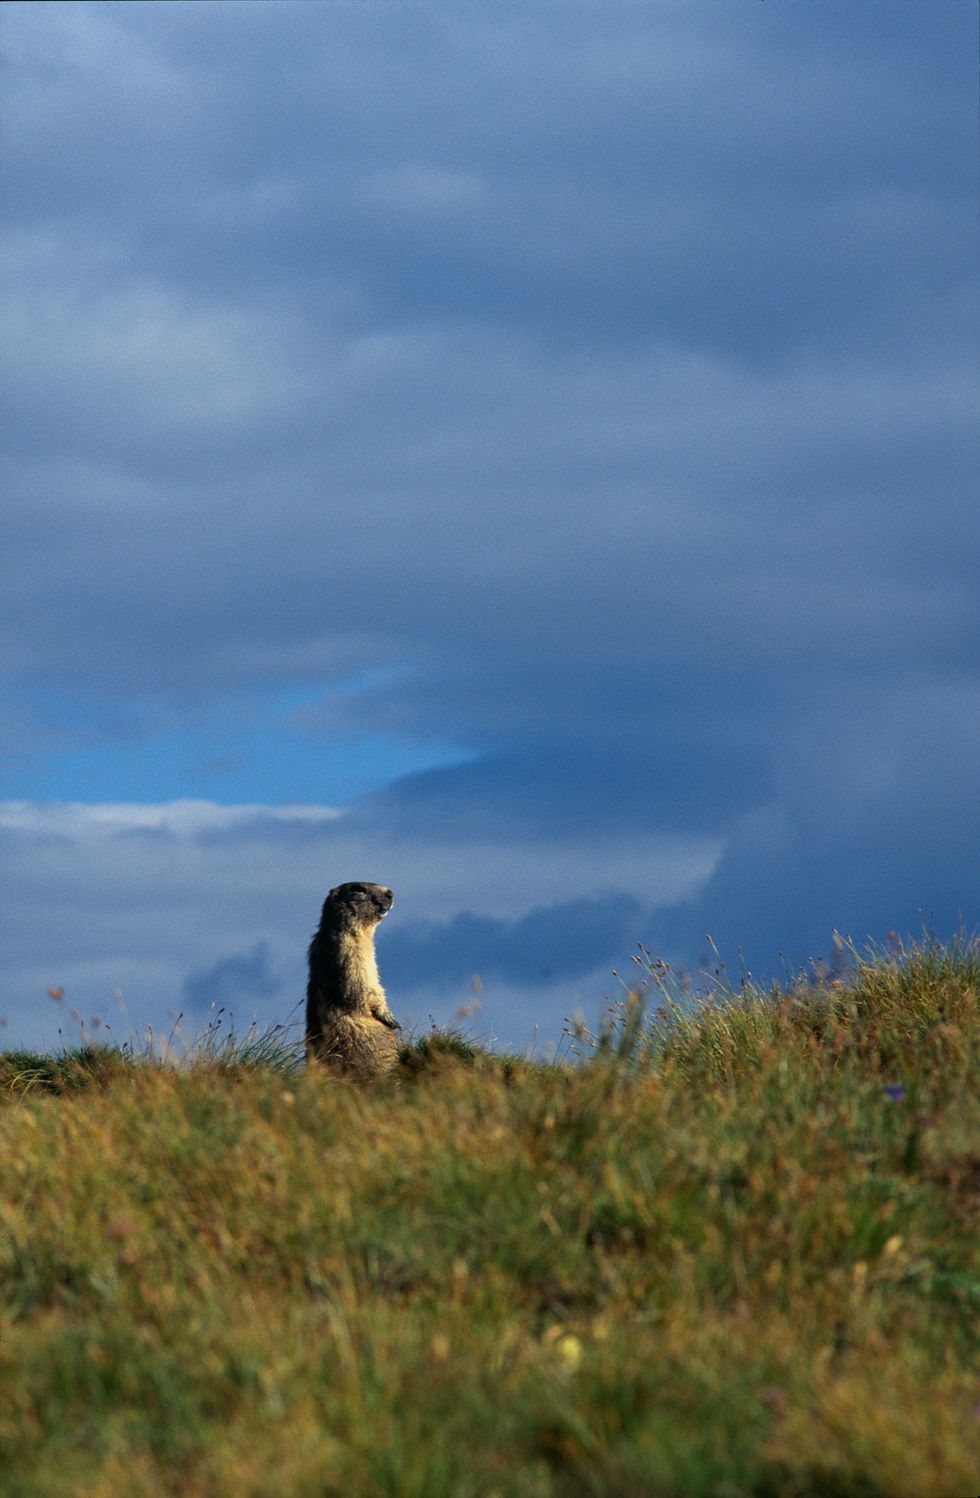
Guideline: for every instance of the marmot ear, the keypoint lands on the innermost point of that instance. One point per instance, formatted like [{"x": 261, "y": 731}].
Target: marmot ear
[{"x": 333, "y": 892}]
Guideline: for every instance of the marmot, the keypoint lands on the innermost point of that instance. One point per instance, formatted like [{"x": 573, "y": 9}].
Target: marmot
[{"x": 348, "y": 1022}]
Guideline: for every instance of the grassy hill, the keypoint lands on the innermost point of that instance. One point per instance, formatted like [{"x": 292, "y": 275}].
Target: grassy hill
[{"x": 728, "y": 1254}]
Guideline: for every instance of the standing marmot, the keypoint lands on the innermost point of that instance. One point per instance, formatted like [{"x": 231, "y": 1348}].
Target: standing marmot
[{"x": 348, "y": 1022}]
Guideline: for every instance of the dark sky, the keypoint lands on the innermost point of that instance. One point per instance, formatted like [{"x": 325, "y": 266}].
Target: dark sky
[{"x": 521, "y": 454}]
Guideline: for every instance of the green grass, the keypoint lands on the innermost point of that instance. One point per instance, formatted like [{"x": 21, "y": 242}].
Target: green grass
[{"x": 732, "y": 1252}]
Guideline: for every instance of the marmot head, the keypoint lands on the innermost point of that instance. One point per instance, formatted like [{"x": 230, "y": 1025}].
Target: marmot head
[{"x": 358, "y": 904}]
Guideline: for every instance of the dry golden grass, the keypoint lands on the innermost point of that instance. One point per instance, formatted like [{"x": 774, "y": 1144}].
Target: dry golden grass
[{"x": 733, "y": 1254}]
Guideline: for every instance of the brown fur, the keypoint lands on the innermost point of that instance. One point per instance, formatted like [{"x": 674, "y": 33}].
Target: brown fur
[{"x": 348, "y": 1023}]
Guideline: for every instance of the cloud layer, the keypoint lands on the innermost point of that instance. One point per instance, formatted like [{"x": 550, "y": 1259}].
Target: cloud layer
[
  {"x": 183, "y": 906},
  {"x": 546, "y": 438}
]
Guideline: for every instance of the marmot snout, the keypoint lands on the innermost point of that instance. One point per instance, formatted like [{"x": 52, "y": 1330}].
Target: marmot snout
[{"x": 348, "y": 1022}]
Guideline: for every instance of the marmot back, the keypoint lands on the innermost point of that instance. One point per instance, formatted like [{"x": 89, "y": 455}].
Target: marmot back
[{"x": 348, "y": 1023}]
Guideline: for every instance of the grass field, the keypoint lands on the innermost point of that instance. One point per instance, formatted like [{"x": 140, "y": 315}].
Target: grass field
[{"x": 731, "y": 1253}]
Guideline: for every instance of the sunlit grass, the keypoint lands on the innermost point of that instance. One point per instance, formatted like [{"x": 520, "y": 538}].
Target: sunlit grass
[{"x": 730, "y": 1253}]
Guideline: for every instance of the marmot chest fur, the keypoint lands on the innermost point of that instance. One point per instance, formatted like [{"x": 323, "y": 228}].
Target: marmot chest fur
[{"x": 348, "y": 1022}]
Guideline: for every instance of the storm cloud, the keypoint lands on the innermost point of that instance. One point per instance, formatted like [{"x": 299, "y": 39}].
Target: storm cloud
[
  {"x": 242, "y": 975},
  {"x": 538, "y": 445}
]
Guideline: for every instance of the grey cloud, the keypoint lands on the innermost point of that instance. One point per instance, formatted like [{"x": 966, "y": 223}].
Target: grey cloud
[
  {"x": 94, "y": 912},
  {"x": 241, "y": 976},
  {"x": 875, "y": 828},
  {"x": 594, "y": 787},
  {"x": 664, "y": 568},
  {"x": 590, "y": 390},
  {"x": 547, "y": 944},
  {"x": 611, "y": 168}
]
